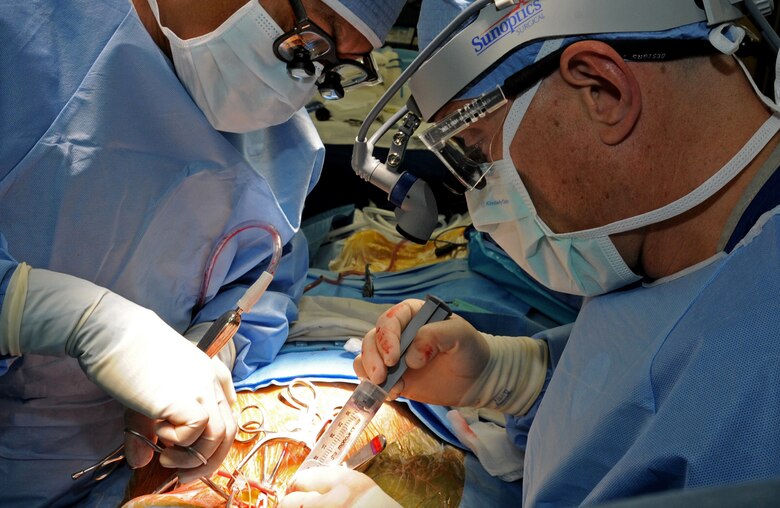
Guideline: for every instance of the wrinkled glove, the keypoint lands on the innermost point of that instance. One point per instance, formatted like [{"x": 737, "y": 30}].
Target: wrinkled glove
[
  {"x": 335, "y": 487},
  {"x": 130, "y": 353},
  {"x": 451, "y": 363}
]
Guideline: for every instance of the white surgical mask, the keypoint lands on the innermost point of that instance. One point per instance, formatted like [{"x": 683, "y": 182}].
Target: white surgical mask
[
  {"x": 583, "y": 262},
  {"x": 233, "y": 75}
]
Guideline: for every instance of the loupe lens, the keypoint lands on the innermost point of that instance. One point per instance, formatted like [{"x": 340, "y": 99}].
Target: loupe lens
[
  {"x": 468, "y": 164},
  {"x": 330, "y": 87},
  {"x": 300, "y": 73},
  {"x": 350, "y": 74},
  {"x": 448, "y": 138},
  {"x": 311, "y": 41}
]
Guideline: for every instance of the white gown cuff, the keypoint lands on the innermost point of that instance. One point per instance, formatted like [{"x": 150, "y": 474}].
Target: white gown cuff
[{"x": 513, "y": 377}]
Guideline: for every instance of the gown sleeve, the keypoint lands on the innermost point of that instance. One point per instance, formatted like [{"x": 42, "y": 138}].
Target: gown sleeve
[
  {"x": 518, "y": 426},
  {"x": 264, "y": 329},
  {"x": 7, "y": 267}
]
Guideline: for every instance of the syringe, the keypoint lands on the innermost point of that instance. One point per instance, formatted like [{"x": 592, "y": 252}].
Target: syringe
[{"x": 336, "y": 442}]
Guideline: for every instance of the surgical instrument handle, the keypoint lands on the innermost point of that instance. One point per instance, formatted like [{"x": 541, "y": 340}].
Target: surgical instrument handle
[
  {"x": 337, "y": 440},
  {"x": 220, "y": 332},
  {"x": 225, "y": 327},
  {"x": 433, "y": 310}
]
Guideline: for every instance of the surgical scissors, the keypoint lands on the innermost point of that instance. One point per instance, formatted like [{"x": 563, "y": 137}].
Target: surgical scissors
[
  {"x": 113, "y": 459},
  {"x": 219, "y": 332}
]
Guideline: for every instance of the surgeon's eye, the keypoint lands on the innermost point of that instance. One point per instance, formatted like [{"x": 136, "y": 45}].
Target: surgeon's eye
[{"x": 475, "y": 153}]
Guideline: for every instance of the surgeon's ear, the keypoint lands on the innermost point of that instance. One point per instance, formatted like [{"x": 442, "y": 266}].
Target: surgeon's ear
[{"x": 608, "y": 89}]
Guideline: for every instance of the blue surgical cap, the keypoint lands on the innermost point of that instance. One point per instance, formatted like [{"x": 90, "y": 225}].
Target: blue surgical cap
[
  {"x": 373, "y": 18},
  {"x": 436, "y": 14}
]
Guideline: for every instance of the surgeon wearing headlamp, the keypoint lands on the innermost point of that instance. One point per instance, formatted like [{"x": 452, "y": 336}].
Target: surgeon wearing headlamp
[
  {"x": 640, "y": 172},
  {"x": 145, "y": 150}
]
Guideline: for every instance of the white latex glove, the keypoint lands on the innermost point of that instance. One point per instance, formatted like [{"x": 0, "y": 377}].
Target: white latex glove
[
  {"x": 228, "y": 353},
  {"x": 452, "y": 364},
  {"x": 130, "y": 353},
  {"x": 335, "y": 487}
]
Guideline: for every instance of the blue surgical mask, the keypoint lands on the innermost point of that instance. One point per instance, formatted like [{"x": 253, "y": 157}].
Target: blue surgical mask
[
  {"x": 583, "y": 262},
  {"x": 233, "y": 75}
]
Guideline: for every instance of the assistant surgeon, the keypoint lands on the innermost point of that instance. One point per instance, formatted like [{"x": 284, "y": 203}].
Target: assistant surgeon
[{"x": 143, "y": 147}]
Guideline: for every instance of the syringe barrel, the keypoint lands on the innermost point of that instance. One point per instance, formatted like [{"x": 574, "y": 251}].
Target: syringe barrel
[{"x": 337, "y": 441}]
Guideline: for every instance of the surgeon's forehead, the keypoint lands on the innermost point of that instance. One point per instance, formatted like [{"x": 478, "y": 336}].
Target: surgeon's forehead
[{"x": 350, "y": 42}]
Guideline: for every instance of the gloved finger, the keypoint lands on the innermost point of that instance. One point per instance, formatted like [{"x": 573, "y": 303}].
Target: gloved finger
[
  {"x": 137, "y": 452},
  {"x": 302, "y": 500},
  {"x": 182, "y": 423},
  {"x": 216, "y": 459},
  {"x": 389, "y": 327},
  {"x": 318, "y": 479},
  {"x": 357, "y": 365},
  {"x": 337, "y": 485},
  {"x": 213, "y": 435},
  {"x": 430, "y": 341},
  {"x": 397, "y": 389},
  {"x": 372, "y": 364},
  {"x": 328, "y": 478},
  {"x": 225, "y": 379}
]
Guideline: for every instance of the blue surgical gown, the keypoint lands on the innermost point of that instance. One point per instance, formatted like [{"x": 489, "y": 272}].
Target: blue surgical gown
[
  {"x": 665, "y": 386},
  {"x": 110, "y": 172}
]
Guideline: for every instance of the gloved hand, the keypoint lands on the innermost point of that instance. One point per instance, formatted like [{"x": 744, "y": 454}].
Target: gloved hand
[
  {"x": 132, "y": 354},
  {"x": 336, "y": 487},
  {"x": 227, "y": 354},
  {"x": 451, "y": 363}
]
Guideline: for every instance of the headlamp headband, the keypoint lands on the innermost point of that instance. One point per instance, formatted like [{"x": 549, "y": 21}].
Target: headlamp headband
[{"x": 496, "y": 33}]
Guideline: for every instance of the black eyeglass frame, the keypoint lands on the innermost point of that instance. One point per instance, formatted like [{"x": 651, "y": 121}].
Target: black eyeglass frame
[{"x": 330, "y": 83}]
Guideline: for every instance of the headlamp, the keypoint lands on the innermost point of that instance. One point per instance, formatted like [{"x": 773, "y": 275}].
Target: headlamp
[{"x": 458, "y": 56}]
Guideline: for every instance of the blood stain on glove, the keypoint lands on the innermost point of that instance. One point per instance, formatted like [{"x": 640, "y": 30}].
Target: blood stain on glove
[{"x": 381, "y": 341}]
